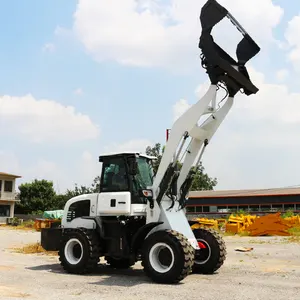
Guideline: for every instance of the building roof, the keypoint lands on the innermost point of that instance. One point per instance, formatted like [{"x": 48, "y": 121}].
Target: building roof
[
  {"x": 9, "y": 175},
  {"x": 245, "y": 193}
]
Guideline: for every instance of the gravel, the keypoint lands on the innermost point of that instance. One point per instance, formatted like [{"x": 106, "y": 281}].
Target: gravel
[{"x": 271, "y": 270}]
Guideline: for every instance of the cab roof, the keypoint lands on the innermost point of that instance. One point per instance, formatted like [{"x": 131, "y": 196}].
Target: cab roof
[{"x": 137, "y": 153}]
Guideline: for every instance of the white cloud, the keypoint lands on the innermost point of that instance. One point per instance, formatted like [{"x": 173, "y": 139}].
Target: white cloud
[
  {"x": 293, "y": 39},
  {"x": 63, "y": 176},
  {"x": 150, "y": 33},
  {"x": 257, "y": 146},
  {"x": 138, "y": 145},
  {"x": 78, "y": 91},
  {"x": 281, "y": 75},
  {"x": 49, "y": 47},
  {"x": 179, "y": 108},
  {"x": 9, "y": 163},
  {"x": 60, "y": 31},
  {"x": 43, "y": 120},
  {"x": 48, "y": 170},
  {"x": 87, "y": 168},
  {"x": 40, "y": 169}
]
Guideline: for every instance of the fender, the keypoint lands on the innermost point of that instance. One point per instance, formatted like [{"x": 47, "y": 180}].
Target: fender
[
  {"x": 140, "y": 235},
  {"x": 99, "y": 227}
]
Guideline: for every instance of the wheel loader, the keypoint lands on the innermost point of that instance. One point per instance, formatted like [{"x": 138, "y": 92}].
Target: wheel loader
[{"x": 139, "y": 216}]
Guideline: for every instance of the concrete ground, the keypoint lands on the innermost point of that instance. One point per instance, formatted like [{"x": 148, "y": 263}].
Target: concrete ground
[{"x": 270, "y": 271}]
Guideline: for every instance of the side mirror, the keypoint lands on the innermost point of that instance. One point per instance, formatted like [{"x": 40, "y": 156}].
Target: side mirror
[{"x": 132, "y": 166}]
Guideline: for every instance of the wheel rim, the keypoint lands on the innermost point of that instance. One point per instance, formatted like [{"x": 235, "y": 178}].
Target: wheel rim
[
  {"x": 204, "y": 254},
  {"x": 73, "y": 251},
  {"x": 161, "y": 257}
]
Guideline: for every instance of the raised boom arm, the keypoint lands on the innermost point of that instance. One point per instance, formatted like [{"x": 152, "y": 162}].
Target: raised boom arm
[{"x": 221, "y": 69}]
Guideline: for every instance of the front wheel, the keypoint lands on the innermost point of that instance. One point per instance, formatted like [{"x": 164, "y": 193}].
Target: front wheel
[
  {"x": 212, "y": 253},
  {"x": 167, "y": 256},
  {"x": 79, "y": 252}
]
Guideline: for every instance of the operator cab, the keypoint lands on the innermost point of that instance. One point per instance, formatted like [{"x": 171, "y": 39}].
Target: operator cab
[{"x": 127, "y": 172}]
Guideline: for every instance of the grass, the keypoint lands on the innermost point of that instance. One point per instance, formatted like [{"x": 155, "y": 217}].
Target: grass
[
  {"x": 295, "y": 231},
  {"x": 295, "y": 235},
  {"x": 26, "y": 225},
  {"x": 34, "y": 249}
]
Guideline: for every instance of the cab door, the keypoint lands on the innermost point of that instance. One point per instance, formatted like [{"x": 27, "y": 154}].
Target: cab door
[
  {"x": 114, "y": 203},
  {"x": 115, "y": 196}
]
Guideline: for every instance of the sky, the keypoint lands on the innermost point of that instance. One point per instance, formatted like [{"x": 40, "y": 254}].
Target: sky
[{"x": 79, "y": 78}]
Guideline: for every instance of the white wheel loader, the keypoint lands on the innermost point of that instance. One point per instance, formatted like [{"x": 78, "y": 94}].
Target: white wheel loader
[{"x": 138, "y": 215}]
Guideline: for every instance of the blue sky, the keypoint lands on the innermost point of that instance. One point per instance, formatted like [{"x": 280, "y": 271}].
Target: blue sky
[{"x": 43, "y": 55}]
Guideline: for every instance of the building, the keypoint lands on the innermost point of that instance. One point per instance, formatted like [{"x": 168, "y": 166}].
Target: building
[
  {"x": 7, "y": 195},
  {"x": 260, "y": 201}
]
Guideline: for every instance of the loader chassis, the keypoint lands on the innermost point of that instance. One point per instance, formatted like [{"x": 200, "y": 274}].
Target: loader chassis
[{"x": 140, "y": 216}]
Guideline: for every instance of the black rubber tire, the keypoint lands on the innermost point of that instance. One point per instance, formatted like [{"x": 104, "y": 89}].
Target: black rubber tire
[
  {"x": 218, "y": 252},
  {"x": 183, "y": 256},
  {"x": 91, "y": 251},
  {"x": 119, "y": 263}
]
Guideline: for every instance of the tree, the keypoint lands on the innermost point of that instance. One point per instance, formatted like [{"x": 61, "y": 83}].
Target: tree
[
  {"x": 78, "y": 191},
  {"x": 157, "y": 152},
  {"x": 38, "y": 195},
  {"x": 95, "y": 188},
  {"x": 201, "y": 180}
]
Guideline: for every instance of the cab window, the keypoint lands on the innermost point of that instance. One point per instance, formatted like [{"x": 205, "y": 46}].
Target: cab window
[{"x": 114, "y": 176}]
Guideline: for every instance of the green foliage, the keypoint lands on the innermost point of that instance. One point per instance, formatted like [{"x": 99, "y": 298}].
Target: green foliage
[
  {"x": 201, "y": 180},
  {"x": 95, "y": 188},
  {"x": 240, "y": 213},
  {"x": 78, "y": 191},
  {"x": 294, "y": 231},
  {"x": 35, "y": 196},
  {"x": 157, "y": 152},
  {"x": 289, "y": 213}
]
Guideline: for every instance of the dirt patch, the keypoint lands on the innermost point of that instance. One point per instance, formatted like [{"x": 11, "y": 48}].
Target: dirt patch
[
  {"x": 273, "y": 270},
  {"x": 12, "y": 293},
  {"x": 33, "y": 249},
  {"x": 6, "y": 268}
]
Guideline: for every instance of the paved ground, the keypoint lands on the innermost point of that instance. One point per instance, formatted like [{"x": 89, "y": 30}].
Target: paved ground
[{"x": 270, "y": 271}]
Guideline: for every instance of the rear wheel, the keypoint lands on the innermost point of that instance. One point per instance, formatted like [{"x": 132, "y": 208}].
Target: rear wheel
[
  {"x": 79, "y": 252},
  {"x": 212, "y": 253},
  {"x": 167, "y": 256}
]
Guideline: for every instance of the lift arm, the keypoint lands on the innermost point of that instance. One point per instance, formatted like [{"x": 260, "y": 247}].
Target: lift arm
[{"x": 223, "y": 71}]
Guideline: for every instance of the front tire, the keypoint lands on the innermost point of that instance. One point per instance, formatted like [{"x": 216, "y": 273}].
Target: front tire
[
  {"x": 79, "y": 252},
  {"x": 212, "y": 253},
  {"x": 167, "y": 256}
]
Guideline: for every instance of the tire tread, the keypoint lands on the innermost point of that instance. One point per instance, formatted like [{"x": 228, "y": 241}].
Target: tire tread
[
  {"x": 181, "y": 242},
  {"x": 94, "y": 252},
  {"x": 212, "y": 268}
]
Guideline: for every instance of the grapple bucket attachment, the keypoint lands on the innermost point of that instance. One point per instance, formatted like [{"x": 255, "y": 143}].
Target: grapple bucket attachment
[{"x": 220, "y": 66}]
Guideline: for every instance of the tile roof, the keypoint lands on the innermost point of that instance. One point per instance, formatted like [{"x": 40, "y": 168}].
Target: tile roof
[
  {"x": 10, "y": 175},
  {"x": 244, "y": 193}
]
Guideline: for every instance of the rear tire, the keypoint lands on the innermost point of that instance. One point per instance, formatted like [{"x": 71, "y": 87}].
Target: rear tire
[
  {"x": 213, "y": 252},
  {"x": 79, "y": 252},
  {"x": 167, "y": 256}
]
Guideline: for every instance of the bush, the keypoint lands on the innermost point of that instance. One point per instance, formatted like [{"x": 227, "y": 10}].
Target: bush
[{"x": 289, "y": 213}]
